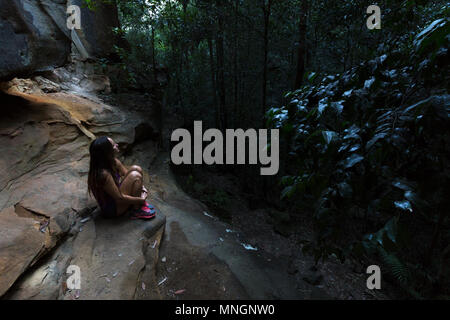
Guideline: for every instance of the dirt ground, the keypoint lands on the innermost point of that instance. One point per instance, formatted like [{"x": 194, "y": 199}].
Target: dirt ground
[{"x": 330, "y": 279}]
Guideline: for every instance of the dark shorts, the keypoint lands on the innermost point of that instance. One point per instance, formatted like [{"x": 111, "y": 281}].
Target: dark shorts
[{"x": 109, "y": 209}]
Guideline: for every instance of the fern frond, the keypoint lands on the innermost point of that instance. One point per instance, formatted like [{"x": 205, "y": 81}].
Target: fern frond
[{"x": 399, "y": 270}]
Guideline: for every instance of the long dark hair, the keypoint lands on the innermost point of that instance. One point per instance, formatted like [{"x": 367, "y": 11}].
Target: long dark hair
[{"x": 102, "y": 158}]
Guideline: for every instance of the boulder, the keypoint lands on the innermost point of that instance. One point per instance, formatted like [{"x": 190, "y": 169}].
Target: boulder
[
  {"x": 96, "y": 35},
  {"x": 34, "y": 36},
  {"x": 30, "y": 40},
  {"x": 115, "y": 257},
  {"x": 21, "y": 244}
]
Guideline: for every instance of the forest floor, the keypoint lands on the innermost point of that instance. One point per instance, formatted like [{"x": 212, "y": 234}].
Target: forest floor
[
  {"x": 203, "y": 258},
  {"x": 328, "y": 280}
]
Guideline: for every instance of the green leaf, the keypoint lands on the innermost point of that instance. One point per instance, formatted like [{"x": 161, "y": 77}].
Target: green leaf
[
  {"x": 352, "y": 160},
  {"x": 397, "y": 268},
  {"x": 287, "y": 180},
  {"x": 375, "y": 140},
  {"x": 352, "y": 133},
  {"x": 434, "y": 34},
  {"x": 338, "y": 106},
  {"x": 288, "y": 191},
  {"x": 329, "y": 136},
  {"x": 311, "y": 76},
  {"x": 404, "y": 205},
  {"x": 345, "y": 190}
]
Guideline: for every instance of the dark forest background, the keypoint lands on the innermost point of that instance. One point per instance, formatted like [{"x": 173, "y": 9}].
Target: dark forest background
[{"x": 363, "y": 114}]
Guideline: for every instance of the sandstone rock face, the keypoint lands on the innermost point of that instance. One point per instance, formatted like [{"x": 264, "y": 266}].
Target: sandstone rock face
[
  {"x": 96, "y": 34},
  {"x": 45, "y": 133},
  {"x": 20, "y": 242},
  {"x": 34, "y": 35},
  {"x": 30, "y": 40},
  {"x": 111, "y": 255}
]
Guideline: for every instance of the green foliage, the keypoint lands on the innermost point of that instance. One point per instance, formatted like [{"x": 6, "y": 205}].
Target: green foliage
[
  {"x": 369, "y": 150},
  {"x": 94, "y": 4},
  {"x": 219, "y": 199},
  {"x": 433, "y": 36},
  {"x": 398, "y": 269}
]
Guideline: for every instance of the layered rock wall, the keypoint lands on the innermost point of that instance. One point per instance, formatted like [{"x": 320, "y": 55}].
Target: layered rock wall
[{"x": 34, "y": 35}]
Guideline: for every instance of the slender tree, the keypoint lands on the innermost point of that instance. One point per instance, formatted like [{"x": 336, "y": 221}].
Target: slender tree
[
  {"x": 301, "y": 51},
  {"x": 221, "y": 65},
  {"x": 266, "y": 8}
]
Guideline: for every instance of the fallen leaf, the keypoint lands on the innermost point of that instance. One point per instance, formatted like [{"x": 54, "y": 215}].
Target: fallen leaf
[
  {"x": 43, "y": 226},
  {"x": 85, "y": 220},
  {"x": 162, "y": 281},
  {"x": 249, "y": 247},
  {"x": 207, "y": 214}
]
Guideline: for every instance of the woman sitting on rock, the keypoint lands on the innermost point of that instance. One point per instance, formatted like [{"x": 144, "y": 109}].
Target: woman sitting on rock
[{"x": 116, "y": 189}]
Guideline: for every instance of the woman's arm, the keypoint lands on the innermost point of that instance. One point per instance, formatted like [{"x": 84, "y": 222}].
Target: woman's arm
[
  {"x": 123, "y": 171},
  {"x": 111, "y": 189},
  {"x": 121, "y": 168}
]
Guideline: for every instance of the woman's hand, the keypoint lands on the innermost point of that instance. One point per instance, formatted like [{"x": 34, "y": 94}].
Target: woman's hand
[{"x": 144, "y": 195}]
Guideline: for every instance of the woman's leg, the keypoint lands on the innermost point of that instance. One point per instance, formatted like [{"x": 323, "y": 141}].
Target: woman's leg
[
  {"x": 133, "y": 169},
  {"x": 132, "y": 186},
  {"x": 136, "y": 168}
]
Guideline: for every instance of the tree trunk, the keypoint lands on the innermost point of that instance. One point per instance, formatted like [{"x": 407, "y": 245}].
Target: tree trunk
[
  {"x": 213, "y": 82},
  {"x": 220, "y": 68},
  {"x": 301, "y": 46},
  {"x": 266, "y": 10},
  {"x": 235, "y": 64},
  {"x": 153, "y": 55}
]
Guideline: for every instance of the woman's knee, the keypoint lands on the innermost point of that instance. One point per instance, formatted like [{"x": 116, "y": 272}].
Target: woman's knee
[
  {"x": 132, "y": 183},
  {"x": 136, "y": 168},
  {"x": 135, "y": 176}
]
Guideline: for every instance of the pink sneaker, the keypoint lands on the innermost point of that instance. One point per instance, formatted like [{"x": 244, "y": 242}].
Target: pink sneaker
[{"x": 147, "y": 211}]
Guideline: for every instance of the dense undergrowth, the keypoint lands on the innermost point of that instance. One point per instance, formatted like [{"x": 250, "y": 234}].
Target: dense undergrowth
[{"x": 369, "y": 158}]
